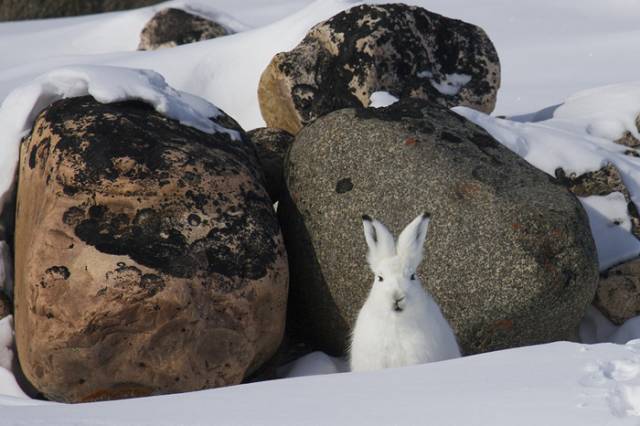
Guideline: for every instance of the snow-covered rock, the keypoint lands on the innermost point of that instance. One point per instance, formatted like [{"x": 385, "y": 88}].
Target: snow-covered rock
[
  {"x": 148, "y": 256},
  {"x": 107, "y": 85}
]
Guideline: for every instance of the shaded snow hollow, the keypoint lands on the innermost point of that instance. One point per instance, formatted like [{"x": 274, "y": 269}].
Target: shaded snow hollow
[{"x": 106, "y": 84}]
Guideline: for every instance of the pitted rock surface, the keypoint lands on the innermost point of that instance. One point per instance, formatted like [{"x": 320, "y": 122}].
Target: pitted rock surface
[
  {"x": 272, "y": 145},
  {"x": 404, "y": 50},
  {"x": 601, "y": 182},
  {"x": 509, "y": 255},
  {"x": 174, "y": 27},
  {"x": 148, "y": 256},
  {"x": 618, "y": 295}
]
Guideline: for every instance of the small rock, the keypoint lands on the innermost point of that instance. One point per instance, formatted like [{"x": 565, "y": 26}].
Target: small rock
[
  {"x": 174, "y": 27},
  {"x": 403, "y": 50},
  {"x": 618, "y": 294},
  {"x": 272, "y": 145}
]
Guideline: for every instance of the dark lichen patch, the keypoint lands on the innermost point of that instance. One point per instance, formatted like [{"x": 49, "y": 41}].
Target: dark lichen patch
[
  {"x": 181, "y": 173},
  {"x": 122, "y": 141},
  {"x": 344, "y": 185}
]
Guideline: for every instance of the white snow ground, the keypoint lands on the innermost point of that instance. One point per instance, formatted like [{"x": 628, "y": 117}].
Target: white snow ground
[{"x": 552, "y": 53}]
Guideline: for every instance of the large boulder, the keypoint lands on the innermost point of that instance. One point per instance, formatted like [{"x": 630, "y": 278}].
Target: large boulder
[
  {"x": 509, "y": 256},
  {"x": 404, "y": 50},
  {"x": 13, "y": 10},
  {"x": 272, "y": 146},
  {"x": 148, "y": 256},
  {"x": 173, "y": 27}
]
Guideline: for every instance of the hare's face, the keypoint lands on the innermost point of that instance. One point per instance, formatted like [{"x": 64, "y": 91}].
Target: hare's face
[
  {"x": 395, "y": 282},
  {"x": 394, "y": 265}
]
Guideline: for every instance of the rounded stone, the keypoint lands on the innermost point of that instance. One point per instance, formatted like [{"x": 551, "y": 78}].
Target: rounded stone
[
  {"x": 618, "y": 295},
  {"x": 148, "y": 256},
  {"x": 272, "y": 146},
  {"x": 509, "y": 256},
  {"x": 173, "y": 27},
  {"x": 404, "y": 50}
]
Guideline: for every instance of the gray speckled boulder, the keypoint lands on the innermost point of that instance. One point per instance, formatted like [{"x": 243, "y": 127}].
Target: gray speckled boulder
[
  {"x": 405, "y": 50},
  {"x": 509, "y": 256},
  {"x": 618, "y": 295},
  {"x": 149, "y": 259},
  {"x": 272, "y": 145},
  {"x": 173, "y": 27}
]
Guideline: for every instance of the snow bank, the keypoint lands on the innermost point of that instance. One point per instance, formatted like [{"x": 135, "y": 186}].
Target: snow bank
[
  {"x": 106, "y": 84},
  {"x": 560, "y": 383},
  {"x": 578, "y": 137}
]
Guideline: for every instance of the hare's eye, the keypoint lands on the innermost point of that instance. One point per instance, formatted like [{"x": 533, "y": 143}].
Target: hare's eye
[
  {"x": 380, "y": 278},
  {"x": 413, "y": 277}
]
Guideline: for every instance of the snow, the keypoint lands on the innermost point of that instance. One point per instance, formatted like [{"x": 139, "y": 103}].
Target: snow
[
  {"x": 560, "y": 383},
  {"x": 611, "y": 228},
  {"x": 569, "y": 86},
  {"x": 452, "y": 83},
  {"x": 381, "y": 99},
  {"x": 313, "y": 364}
]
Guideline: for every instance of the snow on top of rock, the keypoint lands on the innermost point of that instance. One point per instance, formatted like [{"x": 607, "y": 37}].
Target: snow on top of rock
[
  {"x": 605, "y": 112},
  {"x": 381, "y": 99},
  {"x": 106, "y": 84},
  {"x": 452, "y": 83}
]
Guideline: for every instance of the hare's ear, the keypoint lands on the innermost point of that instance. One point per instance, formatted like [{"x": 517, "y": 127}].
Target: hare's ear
[
  {"x": 379, "y": 239},
  {"x": 411, "y": 241}
]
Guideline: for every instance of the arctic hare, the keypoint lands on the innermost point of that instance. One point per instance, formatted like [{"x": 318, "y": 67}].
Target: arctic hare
[{"x": 400, "y": 323}]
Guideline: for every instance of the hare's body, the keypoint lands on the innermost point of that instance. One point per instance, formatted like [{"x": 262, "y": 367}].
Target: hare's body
[{"x": 399, "y": 324}]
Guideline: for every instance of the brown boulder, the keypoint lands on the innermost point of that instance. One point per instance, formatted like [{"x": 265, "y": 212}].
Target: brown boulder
[
  {"x": 148, "y": 256},
  {"x": 174, "y": 27},
  {"x": 272, "y": 146},
  {"x": 404, "y": 50}
]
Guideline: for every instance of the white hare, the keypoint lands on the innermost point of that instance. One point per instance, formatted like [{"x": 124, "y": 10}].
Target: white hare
[{"x": 400, "y": 323}]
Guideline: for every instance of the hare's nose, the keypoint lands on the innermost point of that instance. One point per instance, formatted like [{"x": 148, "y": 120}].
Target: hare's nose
[{"x": 398, "y": 302}]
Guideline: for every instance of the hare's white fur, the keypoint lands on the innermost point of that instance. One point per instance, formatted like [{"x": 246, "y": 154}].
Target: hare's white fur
[{"x": 400, "y": 323}]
